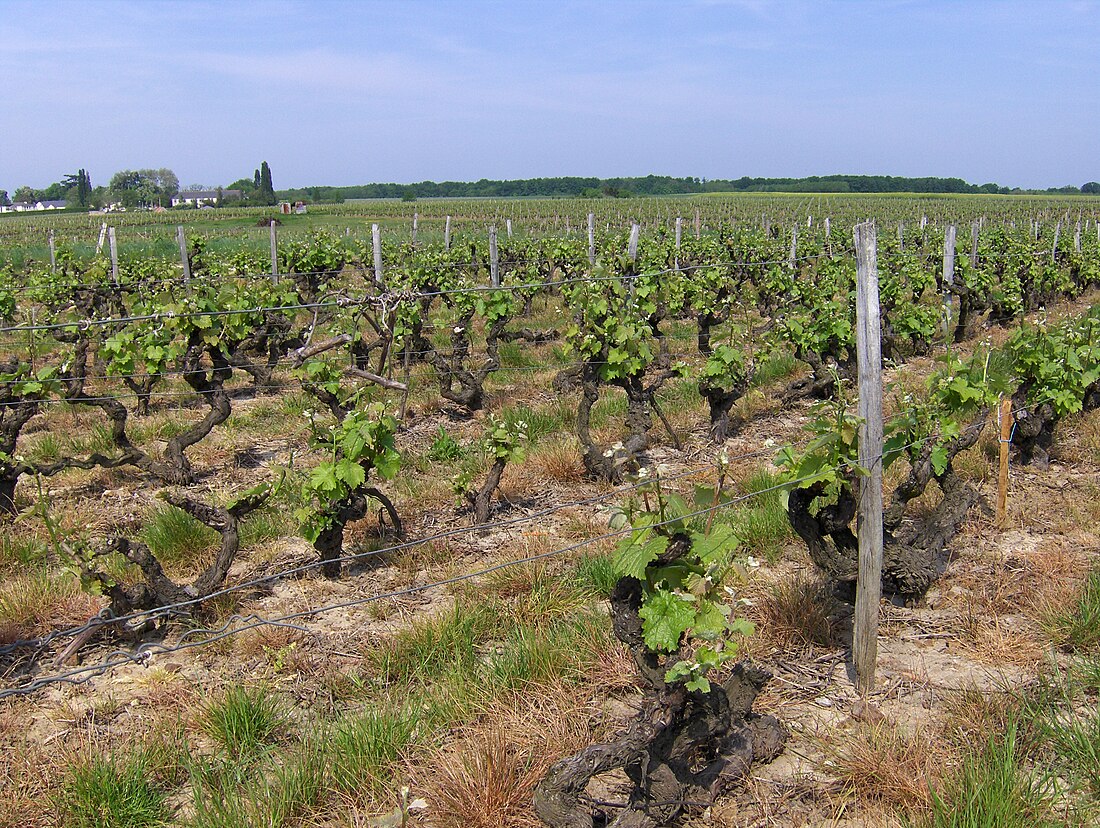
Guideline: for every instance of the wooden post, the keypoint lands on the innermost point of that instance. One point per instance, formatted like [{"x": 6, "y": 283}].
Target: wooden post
[
  {"x": 508, "y": 227},
  {"x": 274, "y": 255},
  {"x": 113, "y": 244},
  {"x": 416, "y": 221},
  {"x": 1054, "y": 246},
  {"x": 679, "y": 236},
  {"x": 494, "y": 260},
  {"x": 974, "y": 242},
  {"x": 826, "y": 228},
  {"x": 792, "y": 258},
  {"x": 632, "y": 247},
  {"x": 901, "y": 236},
  {"x": 948, "y": 278},
  {"x": 53, "y": 252},
  {"x": 181, "y": 239},
  {"x": 591, "y": 239},
  {"x": 1077, "y": 237},
  {"x": 447, "y": 234},
  {"x": 1005, "y": 416},
  {"x": 869, "y": 521},
  {"x": 698, "y": 223},
  {"x": 376, "y": 244},
  {"x": 102, "y": 236}
]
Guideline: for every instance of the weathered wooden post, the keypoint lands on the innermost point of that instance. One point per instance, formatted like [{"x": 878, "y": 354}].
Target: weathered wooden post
[
  {"x": 376, "y": 244},
  {"x": 494, "y": 259},
  {"x": 113, "y": 244},
  {"x": 591, "y": 240},
  {"x": 181, "y": 239},
  {"x": 869, "y": 520},
  {"x": 948, "y": 278},
  {"x": 274, "y": 255}
]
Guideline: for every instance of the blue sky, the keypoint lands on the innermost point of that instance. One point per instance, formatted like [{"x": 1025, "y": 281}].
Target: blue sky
[{"x": 353, "y": 92}]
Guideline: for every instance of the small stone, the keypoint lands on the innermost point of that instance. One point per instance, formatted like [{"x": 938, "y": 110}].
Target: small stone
[
  {"x": 863, "y": 711},
  {"x": 823, "y": 701}
]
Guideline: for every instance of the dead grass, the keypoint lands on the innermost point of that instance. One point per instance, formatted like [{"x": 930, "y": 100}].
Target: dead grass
[
  {"x": 1034, "y": 578},
  {"x": 557, "y": 460},
  {"x": 485, "y": 781},
  {"x": 36, "y": 604},
  {"x": 882, "y": 765},
  {"x": 794, "y": 612}
]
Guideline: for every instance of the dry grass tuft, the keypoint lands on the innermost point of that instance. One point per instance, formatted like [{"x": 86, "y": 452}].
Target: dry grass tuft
[
  {"x": 35, "y": 605},
  {"x": 485, "y": 783},
  {"x": 556, "y": 460},
  {"x": 880, "y": 765},
  {"x": 973, "y": 714},
  {"x": 795, "y": 613},
  {"x": 1033, "y": 581}
]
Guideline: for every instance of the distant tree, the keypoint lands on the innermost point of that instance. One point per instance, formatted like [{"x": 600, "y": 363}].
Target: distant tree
[
  {"x": 1092, "y": 188},
  {"x": 265, "y": 194},
  {"x": 78, "y": 187},
  {"x": 144, "y": 188},
  {"x": 25, "y": 193},
  {"x": 4, "y": 200}
]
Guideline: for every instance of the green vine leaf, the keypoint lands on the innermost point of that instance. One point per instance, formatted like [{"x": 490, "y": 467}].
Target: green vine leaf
[{"x": 665, "y": 618}]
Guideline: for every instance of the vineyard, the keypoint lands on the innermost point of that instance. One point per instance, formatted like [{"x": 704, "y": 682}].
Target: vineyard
[{"x": 483, "y": 513}]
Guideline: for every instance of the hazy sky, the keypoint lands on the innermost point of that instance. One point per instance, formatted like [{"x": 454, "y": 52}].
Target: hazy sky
[{"x": 357, "y": 92}]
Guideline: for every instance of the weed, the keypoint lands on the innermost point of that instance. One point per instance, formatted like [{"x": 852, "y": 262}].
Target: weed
[
  {"x": 761, "y": 520},
  {"x": 284, "y": 790},
  {"x": 795, "y": 612},
  {"x": 779, "y": 364},
  {"x": 541, "y": 422},
  {"x": 444, "y": 448},
  {"x": 489, "y": 786},
  {"x": 21, "y": 552},
  {"x": 882, "y": 764},
  {"x": 596, "y": 573}
]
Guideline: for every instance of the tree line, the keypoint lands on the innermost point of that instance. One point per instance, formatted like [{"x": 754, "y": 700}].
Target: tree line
[{"x": 655, "y": 185}]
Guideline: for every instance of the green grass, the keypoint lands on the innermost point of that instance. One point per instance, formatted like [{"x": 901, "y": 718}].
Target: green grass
[
  {"x": 21, "y": 552},
  {"x": 362, "y": 750},
  {"x": 281, "y": 793},
  {"x": 992, "y": 789},
  {"x": 245, "y": 721},
  {"x": 174, "y": 536},
  {"x": 111, "y": 792},
  {"x": 460, "y": 658},
  {"x": 1077, "y": 628},
  {"x": 541, "y": 422},
  {"x": 776, "y": 366},
  {"x": 761, "y": 521},
  {"x": 596, "y": 574}
]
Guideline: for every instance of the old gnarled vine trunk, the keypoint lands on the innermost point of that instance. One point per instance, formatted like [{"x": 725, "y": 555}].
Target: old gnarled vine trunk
[{"x": 680, "y": 751}]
